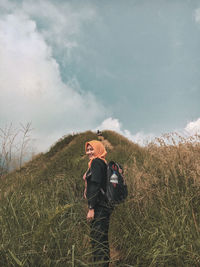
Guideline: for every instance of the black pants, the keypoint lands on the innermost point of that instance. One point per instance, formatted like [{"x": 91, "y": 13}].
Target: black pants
[{"x": 99, "y": 236}]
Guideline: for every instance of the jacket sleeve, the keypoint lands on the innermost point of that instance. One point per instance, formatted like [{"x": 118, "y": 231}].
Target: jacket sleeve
[{"x": 94, "y": 185}]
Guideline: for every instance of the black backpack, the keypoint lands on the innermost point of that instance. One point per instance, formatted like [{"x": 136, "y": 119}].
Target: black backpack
[{"x": 116, "y": 188}]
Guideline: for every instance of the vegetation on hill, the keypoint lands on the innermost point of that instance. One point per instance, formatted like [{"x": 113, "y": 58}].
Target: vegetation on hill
[{"x": 43, "y": 213}]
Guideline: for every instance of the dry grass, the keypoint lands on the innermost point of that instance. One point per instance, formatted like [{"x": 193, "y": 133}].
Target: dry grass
[{"x": 43, "y": 212}]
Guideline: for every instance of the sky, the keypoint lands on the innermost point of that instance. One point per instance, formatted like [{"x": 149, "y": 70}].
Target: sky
[{"x": 132, "y": 66}]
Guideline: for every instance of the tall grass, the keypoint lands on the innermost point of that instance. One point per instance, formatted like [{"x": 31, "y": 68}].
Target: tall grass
[
  {"x": 43, "y": 213},
  {"x": 160, "y": 222}
]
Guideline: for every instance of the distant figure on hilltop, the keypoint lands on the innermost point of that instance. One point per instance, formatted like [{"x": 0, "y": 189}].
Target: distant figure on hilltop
[
  {"x": 99, "y": 133},
  {"x": 100, "y": 136},
  {"x": 99, "y": 213}
]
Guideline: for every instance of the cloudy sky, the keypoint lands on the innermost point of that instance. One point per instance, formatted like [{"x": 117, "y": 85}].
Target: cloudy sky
[{"x": 71, "y": 65}]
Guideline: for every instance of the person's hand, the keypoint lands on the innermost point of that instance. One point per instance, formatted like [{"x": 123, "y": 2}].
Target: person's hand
[
  {"x": 85, "y": 191},
  {"x": 84, "y": 176},
  {"x": 90, "y": 215}
]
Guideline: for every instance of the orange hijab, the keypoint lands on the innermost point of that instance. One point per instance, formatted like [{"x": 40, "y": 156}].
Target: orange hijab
[{"x": 99, "y": 151}]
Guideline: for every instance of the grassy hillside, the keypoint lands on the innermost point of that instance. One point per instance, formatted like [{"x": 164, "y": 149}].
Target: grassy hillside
[{"x": 43, "y": 213}]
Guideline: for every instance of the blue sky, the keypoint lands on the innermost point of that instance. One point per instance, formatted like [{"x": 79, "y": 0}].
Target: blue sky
[{"x": 131, "y": 66}]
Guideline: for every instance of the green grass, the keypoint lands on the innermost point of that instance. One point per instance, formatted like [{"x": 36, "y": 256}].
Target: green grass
[{"x": 43, "y": 213}]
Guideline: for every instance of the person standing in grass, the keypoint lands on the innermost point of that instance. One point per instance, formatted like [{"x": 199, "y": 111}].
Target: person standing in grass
[{"x": 99, "y": 213}]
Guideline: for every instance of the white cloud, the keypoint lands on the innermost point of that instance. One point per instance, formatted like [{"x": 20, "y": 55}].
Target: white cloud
[
  {"x": 110, "y": 124},
  {"x": 114, "y": 125},
  {"x": 197, "y": 15},
  {"x": 60, "y": 24},
  {"x": 193, "y": 127},
  {"x": 7, "y": 6},
  {"x": 141, "y": 138},
  {"x": 31, "y": 86}
]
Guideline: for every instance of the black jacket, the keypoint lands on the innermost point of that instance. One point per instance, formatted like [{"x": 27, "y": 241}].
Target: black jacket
[{"x": 96, "y": 179}]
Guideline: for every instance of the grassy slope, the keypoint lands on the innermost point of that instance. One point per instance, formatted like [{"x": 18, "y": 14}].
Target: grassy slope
[{"x": 43, "y": 212}]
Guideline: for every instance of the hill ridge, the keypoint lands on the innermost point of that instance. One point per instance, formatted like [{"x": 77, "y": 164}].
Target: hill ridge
[{"x": 43, "y": 213}]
